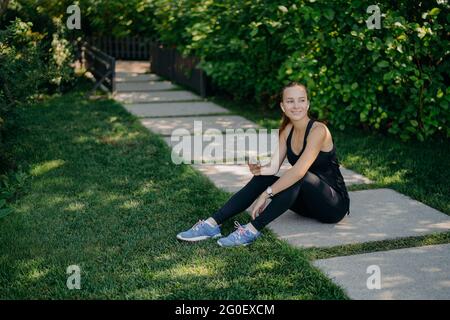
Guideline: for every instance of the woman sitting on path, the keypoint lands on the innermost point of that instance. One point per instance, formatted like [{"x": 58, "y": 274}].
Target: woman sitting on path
[{"x": 313, "y": 187}]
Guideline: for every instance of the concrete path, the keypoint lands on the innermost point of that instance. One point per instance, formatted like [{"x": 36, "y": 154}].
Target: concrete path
[
  {"x": 172, "y": 109},
  {"x": 134, "y": 77},
  {"x": 168, "y": 126},
  {"x": 156, "y": 96},
  {"x": 404, "y": 274},
  {"x": 233, "y": 177},
  {"x": 144, "y": 86},
  {"x": 377, "y": 214}
]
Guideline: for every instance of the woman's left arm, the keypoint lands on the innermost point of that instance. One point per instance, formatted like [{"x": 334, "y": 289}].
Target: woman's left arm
[{"x": 315, "y": 140}]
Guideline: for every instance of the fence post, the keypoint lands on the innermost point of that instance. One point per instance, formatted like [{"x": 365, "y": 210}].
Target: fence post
[
  {"x": 113, "y": 75},
  {"x": 172, "y": 63},
  {"x": 202, "y": 84}
]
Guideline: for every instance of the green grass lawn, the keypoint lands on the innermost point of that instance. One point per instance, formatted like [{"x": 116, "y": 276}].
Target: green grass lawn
[{"x": 104, "y": 195}]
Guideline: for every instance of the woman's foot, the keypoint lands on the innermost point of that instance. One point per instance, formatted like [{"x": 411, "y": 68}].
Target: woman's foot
[
  {"x": 202, "y": 230},
  {"x": 241, "y": 237}
]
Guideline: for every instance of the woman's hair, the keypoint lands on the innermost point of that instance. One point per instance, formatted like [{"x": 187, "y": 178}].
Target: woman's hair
[{"x": 285, "y": 120}]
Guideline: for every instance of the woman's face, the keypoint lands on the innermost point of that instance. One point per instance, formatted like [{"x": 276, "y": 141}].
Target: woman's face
[{"x": 295, "y": 103}]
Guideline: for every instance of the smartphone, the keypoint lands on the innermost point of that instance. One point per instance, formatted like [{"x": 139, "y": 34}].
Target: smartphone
[{"x": 252, "y": 160}]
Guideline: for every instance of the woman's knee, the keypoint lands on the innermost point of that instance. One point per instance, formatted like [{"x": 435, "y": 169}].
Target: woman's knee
[
  {"x": 260, "y": 179},
  {"x": 310, "y": 182}
]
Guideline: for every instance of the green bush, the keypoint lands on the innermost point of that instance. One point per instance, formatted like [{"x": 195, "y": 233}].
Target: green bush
[
  {"x": 394, "y": 79},
  {"x": 23, "y": 69},
  {"x": 21, "y": 74},
  {"x": 118, "y": 18},
  {"x": 31, "y": 64},
  {"x": 98, "y": 17}
]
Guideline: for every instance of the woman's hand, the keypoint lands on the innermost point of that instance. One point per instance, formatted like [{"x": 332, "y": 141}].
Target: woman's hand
[
  {"x": 255, "y": 168},
  {"x": 259, "y": 205}
]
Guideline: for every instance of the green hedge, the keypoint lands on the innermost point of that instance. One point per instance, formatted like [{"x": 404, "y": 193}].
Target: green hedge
[
  {"x": 394, "y": 79},
  {"x": 98, "y": 17}
]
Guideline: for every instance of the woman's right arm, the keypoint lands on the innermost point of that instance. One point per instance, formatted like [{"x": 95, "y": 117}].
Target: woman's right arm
[{"x": 276, "y": 161}]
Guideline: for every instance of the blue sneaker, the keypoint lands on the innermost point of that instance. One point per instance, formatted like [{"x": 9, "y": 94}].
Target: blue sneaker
[
  {"x": 200, "y": 231},
  {"x": 240, "y": 237}
]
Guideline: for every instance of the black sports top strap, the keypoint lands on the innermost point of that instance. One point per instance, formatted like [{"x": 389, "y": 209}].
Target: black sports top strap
[{"x": 308, "y": 128}]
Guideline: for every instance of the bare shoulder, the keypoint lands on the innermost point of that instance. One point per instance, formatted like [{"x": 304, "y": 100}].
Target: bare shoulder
[{"x": 321, "y": 131}]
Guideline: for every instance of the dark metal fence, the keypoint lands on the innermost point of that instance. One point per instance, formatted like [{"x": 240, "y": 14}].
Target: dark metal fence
[
  {"x": 169, "y": 63},
  {"x": 101, "y": 65},
  {"x": 125, "y": 48},
  {"x": 164, "y": 61}
]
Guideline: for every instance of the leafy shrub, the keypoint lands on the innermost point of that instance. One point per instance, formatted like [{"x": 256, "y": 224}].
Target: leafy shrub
[
  {"x": 394, "y": 79},
  {"x": 23, "y": 70},
  {"x": 28, "y": 68}
]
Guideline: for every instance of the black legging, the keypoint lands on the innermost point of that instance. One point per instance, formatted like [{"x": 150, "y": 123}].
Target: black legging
[{"x": 310, "y": 197}]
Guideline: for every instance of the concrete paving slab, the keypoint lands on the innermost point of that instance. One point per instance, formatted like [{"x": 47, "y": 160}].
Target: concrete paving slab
[
  {"x": 157, "y": 96},
  {"x": 377, "y": 214},
  {"x": 145, "y": 86},
  {"x": 230, "y": 178},
  {"x": 405, "y": 274},
  {"x": 185, "y": 125},
  {"x": 233, "y": 177},
  {"x": 142, "y": 66},
  {"x": 220, "y": 148},
  {"x": 133, "y": 77},
  {"x": 168, "y": 109},
  {"x": 351, "y": 177}
]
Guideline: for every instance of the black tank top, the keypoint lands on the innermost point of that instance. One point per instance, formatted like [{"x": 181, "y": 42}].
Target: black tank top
[{"x": 326, "y": 165}]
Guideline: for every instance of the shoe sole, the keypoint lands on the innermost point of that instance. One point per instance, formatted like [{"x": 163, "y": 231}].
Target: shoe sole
[
  {"x": 199, "y": 238},
  {"x": 241, "y": 245}
]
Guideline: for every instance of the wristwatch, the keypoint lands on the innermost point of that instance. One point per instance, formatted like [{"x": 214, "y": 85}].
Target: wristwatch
[{"x": 269, "y": 192}]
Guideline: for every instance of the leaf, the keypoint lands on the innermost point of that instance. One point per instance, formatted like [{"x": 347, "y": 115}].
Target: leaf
[
  {"x": 283, "y": 9},
  {"x": 404, "y": 137},
  {"x": 383, "y": 64},
  {"x": 363, "y": 116},
  {"x": 420, "y": 137},
  {"x": 434, "y": 11},
  {"x": 388, "y": 76},
  {"x": 329, "y": 14}
]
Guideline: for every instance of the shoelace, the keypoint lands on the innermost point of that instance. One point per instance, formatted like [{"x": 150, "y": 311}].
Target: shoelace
[
  {"x": 197, "y": 225},
  {"x": 240, "y": 229}
]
